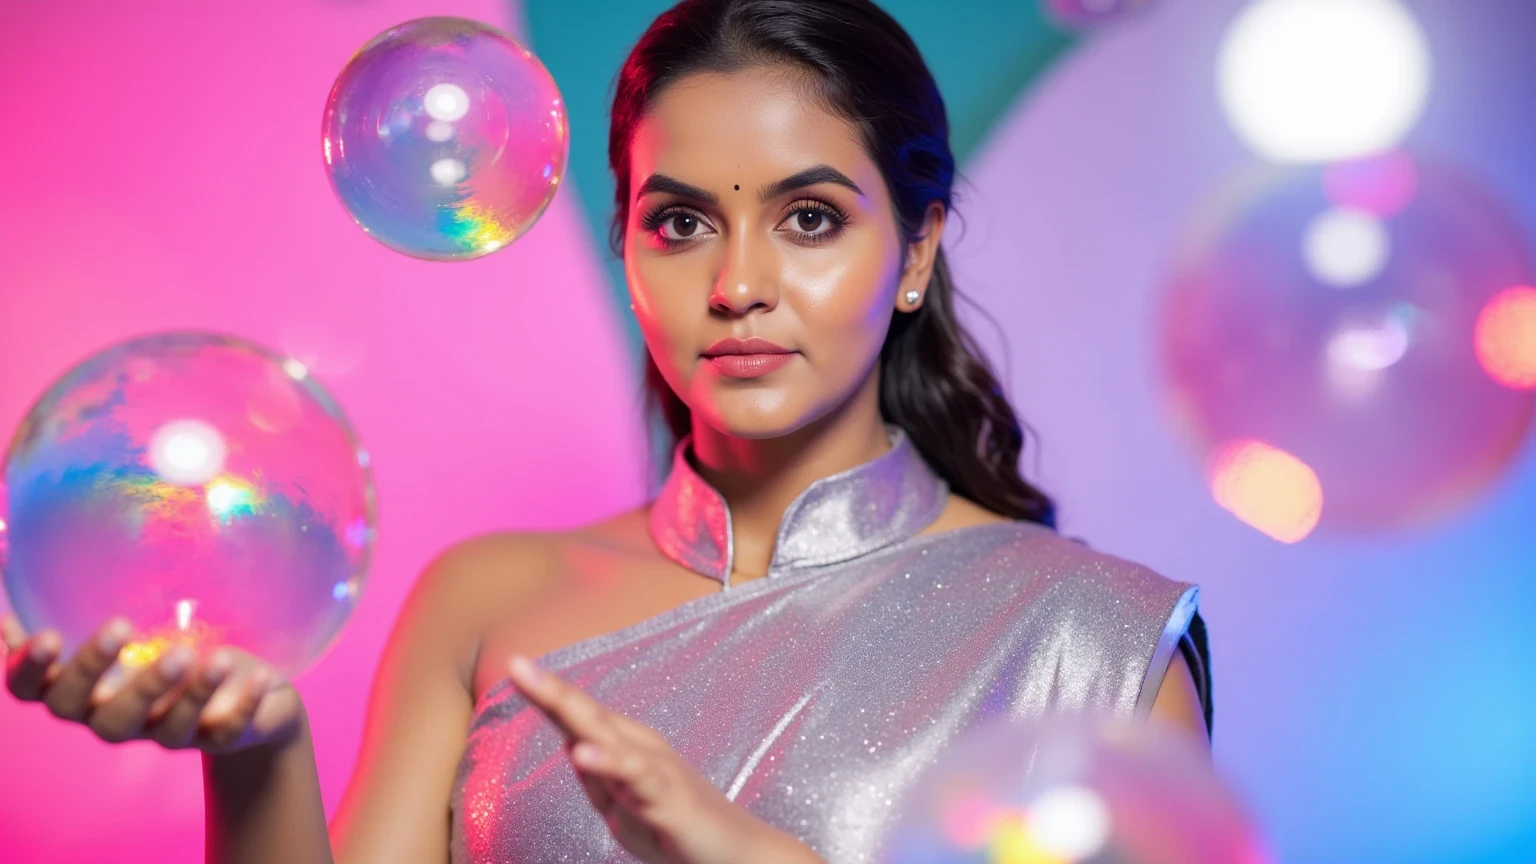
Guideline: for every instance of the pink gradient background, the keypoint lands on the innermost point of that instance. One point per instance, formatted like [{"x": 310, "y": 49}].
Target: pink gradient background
[{"x": 161, "y": 170}]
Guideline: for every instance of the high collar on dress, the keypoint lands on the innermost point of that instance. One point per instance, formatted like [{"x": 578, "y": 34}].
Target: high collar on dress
[{"x": 836, "y": 519}]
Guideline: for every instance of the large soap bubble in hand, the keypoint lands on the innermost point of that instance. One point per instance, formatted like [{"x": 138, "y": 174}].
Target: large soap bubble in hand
[
  {"x": 444, "y": 138},
  {"x": 199, "y": 486}
]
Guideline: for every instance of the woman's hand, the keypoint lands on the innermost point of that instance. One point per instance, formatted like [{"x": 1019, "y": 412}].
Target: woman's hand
[
  {"x": 225, "y": 702},
  {"x": 656, "y": 804}
]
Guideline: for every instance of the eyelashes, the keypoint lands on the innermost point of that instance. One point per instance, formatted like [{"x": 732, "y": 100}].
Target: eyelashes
[
  {"x": 826, "y": 221},
  {"x": 674, "y": 217},
  {"x": 808, "y": 222}
]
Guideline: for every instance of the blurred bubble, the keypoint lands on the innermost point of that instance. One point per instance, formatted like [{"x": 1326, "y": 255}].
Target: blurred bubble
[
  {"x": 201, "y": 487},
  {"x": 1071, "y": 791},
  {"x": 1090, "y": 13},
  {"x": 1380, "y": 403},
  {"x": 1323, "y": 80},
  {"x": 444, "y": 138}
]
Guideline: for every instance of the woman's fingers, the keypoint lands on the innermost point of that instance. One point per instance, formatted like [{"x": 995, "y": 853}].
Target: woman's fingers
[
  {"x": 173, "y": 721},
  {"x": 634, "y": 775},
  {"x": 68, "y": 695},
  {"x": 27, "y": 667},
  {"x": 123, "y": 714},
  {"x": 11, "y": 632},
  {"x": 229, "y": 712},
  {"x": 578, "y": 716}
]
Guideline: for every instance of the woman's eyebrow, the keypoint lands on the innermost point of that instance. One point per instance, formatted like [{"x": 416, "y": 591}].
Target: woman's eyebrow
[
  {"x": 809, "y": 177},
  {"x": 673, "y": 186}
]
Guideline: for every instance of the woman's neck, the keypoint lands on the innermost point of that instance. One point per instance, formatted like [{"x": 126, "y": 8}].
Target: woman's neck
[{"x": 759, "y": 478}]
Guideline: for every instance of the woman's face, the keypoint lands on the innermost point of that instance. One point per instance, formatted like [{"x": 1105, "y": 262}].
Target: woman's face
[{"x": 762, "y": 255}]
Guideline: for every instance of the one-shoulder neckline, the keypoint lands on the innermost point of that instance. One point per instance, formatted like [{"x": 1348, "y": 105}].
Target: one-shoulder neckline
[{"x": 568, "y": 655}]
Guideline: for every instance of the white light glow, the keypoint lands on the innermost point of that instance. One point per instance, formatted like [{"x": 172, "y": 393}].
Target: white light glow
[
  {"x": 187, "y": 452},
  {"x": 1369, "y": 348},
  {"x": 446, "y": 102},
  {"x": 1069, "y": 823},
  {"x": 1323, "y": 80},
  {"x": 1345, "y": 248},
  {"x": 222, "y": 496},
  {"x": 447, "y": 172},
  {"x": 184, "y": 610}
]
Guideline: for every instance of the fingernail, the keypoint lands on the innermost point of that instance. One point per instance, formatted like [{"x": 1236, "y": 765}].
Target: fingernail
[
  {"x": 525, "y": 669},
  {"x": 175, "y": 661},
  {"x": 109, "y": 683},
  {"x": 115, "y": 637},
  {"x": 222, "y": 703},
  {"x": 217, "y": 668},
  {"x": 586, "y": 753},
  {"x": 43, "y": 649}
]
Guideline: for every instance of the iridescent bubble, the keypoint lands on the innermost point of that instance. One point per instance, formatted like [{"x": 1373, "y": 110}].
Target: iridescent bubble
[
  {"x": 1359, "y": 360},
  {"x": 1091, "y": 13},
  {"x": 444, "y": 138},
  {"x": 1071, "y": 791},
  {"x": 198, "y": 485}
]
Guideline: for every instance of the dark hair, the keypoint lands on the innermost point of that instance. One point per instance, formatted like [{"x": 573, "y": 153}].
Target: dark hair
[{"x": 934, "y": 382}]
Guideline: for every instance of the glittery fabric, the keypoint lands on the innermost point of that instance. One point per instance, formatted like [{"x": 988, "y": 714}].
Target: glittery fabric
[
  {"x": 839, "y": 518},
  {"x": 815, "y": 696}
]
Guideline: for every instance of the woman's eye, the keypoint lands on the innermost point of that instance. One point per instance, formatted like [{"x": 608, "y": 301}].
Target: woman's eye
[
  {"x": 680, "y": 226},
  {"x": 809, "y": 221}
]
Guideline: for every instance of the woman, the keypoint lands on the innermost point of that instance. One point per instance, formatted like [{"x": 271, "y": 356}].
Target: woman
[{"x": 842, "y": 572}]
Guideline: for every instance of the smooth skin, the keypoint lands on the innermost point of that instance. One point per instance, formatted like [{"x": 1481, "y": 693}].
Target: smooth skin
[{"x": 755, "y": 212}]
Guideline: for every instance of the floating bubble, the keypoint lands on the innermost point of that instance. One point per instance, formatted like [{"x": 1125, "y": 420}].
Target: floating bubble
[
  {"x": 444, "y": 138},
  {"x": 1380, "y": 356},
  {"x": 1071, "y": 791}
]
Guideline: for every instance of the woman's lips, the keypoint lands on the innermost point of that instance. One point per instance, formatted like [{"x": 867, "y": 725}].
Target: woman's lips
[
  {"x": 747, "y": 365},
  {"x": 746, "y": 358}
]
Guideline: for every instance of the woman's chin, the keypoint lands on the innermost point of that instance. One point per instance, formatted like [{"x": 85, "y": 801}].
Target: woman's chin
[{"x": 761, "y": 413}]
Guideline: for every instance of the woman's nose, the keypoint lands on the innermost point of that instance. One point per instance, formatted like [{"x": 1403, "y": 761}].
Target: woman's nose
[{"x": 747, "y": 279}]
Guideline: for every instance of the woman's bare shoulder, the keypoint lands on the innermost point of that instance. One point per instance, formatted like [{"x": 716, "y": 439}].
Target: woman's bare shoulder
[{"x": 480, "y": 581}]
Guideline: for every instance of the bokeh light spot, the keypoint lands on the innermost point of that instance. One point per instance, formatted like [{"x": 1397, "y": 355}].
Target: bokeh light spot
[
  {"x": 1323, "y": 80},
  {"x": 1267, "y": 488},
  {"x": 1070, "y": 822},
  {"x": 1505, "y": 337},
  {"x": 1345, "y": 248}
]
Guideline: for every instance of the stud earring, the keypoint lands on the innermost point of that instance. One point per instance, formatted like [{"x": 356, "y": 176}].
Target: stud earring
[{"x": 913, "y": 296}]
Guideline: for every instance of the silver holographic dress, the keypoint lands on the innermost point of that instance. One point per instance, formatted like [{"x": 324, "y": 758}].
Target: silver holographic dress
[{"x": 813, "y": 697}]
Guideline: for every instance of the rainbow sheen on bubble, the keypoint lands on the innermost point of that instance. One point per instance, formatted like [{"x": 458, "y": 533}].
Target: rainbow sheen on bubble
[
  {"x": 444, "y": 138},
  {"x": 1075, "y": 790},
  {"x": 196, "y": 484}
]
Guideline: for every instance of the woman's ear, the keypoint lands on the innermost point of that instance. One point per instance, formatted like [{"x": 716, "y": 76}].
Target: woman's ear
[{"x": 921, "y": 255}]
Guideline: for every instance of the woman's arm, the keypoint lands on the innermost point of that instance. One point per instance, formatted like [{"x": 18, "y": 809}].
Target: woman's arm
[
  {"x": 264, "y": 805},
  {"x": 1178, "y": 700}
]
